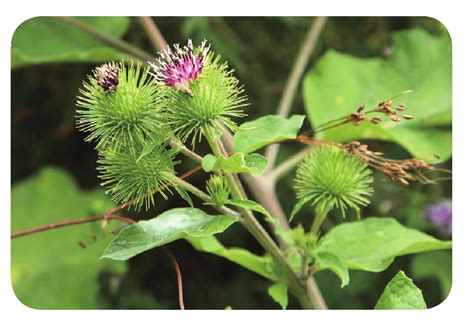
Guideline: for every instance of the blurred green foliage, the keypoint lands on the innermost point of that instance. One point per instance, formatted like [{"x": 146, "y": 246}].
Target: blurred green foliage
[
  {"x": 58, "y": 269},
  {"x": 262, "y": 51},
  {"x": 418, "y": 61},
  {"x": 46, "y": 39}
]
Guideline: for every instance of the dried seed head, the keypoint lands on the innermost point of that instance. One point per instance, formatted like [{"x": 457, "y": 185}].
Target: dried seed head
[
  {"x": 407, "y": 117},
  {"x": 376, "y": 120},
  {"x": 361, "y": 108},
  {"x": 401, "y": 107},
  {"x": 356, "y": 117},
  {"x": 395, "y": 118},
  {"x": 107, "y": 75}
]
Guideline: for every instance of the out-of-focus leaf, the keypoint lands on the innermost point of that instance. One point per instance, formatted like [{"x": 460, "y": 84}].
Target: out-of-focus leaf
[
  {"x": 338, "y": 83},
  {"x": 279, "y": 293},
  {"x": 266, "y": 130},
  {"x": 401, "y": 294},
  {"x": 174, "y": 224},
  {"x": 48, "y": 39},
  {"x": 436, "y": 265},
  {"x": 257, "y": 264},
  {"x": 254, "y": 164},
  {"x": 49, "y": 269},
  {"x": 373, "y": 243}
]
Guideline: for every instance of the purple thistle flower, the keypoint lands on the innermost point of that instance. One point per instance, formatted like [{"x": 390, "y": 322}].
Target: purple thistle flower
[
  {"x": 107, "y": 75},
  {"x": 177, "y": 68},
  {"x": 441, "y": 216}
]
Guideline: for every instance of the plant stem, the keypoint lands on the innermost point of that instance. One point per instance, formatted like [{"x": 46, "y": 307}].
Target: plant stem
[
  {"x": 294, "y": 79},
  {"x": 106, "y": 38},
  {"x": 318, "y": 220},
  {"x": 184, "y": 150},
  {"x": 200, "y": 194},
  {"x": 253, "y": 226},
  {"x": 153, "y": 33},
  {"x": 287, "y": 165}
]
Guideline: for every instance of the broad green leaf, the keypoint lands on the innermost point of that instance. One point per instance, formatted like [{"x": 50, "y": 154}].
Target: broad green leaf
[
  {"x": 257, "y": 264},
  {"x": 279, "y": 293},
  {"x": 436, "y": 265},
  {"x": 373, "y": 243},
  {"x": 326, "y": 260},
  {"x": 47, "y": 39},
  {"x": 254, "y": 164},
  {"x": 174, "y": 224},
  {"x": 339, "y": 83},
  {"x": 250, "y": 204},
  {"x": 49, "y": 270},
  {"x": 266, "y": 130},
  {"x": 401, "y": 294}
]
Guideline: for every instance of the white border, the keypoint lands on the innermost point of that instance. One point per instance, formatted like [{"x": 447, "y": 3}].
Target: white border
[{"x": 456, "y": 17}]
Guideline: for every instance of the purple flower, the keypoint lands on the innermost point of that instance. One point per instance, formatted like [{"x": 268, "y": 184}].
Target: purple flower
[
  {"x": 107, "y": 75},
  {"x": 441, "y": 215},
  {"x": 177, "y": 68}
]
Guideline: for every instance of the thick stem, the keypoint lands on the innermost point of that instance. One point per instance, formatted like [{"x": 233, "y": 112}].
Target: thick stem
[
  {"x": 154, "y": 34},
  {"x": 253, "y": 226},
  {"x": 294, "y": 79}
]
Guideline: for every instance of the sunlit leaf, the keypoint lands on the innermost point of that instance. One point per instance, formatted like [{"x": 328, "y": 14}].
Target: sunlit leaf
[
  {"x": 254, "y": 164},
  {"x": 258, "y": 133},
  {"x": 373, "y": 243},
  {"x": 174, "y": 224},
  {"x": 401, "y": 294}
]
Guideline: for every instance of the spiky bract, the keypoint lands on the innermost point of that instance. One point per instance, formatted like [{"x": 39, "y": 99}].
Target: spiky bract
[
  {"x": 130, "y": 174},
  {"x": 218, "y": 188},
  {"x": 216, "y": 99},
  {"x": 330, "y": 178},
  {"x": 131, "y": 113}
]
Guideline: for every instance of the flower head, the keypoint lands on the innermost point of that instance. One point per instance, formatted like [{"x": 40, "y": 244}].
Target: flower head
[
  {"x": 177, "y": 68},
  {"x": 107, "y": 76},
  {"x": 329, "y": 177},
  {"x": 441, "y": 215},
  {"x": 203, "y": 93},
  {"x": 131, "y": 112}
]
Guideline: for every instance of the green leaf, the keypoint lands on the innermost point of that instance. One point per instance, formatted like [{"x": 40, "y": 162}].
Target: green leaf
[
  {"x": 258, "y": 133},
  {"x": 373, "y": 243},
  {"x": 257, "y": 264},
  {"x": 437, "y": 265},
  {"x": 279, "y": 293},
  {"x": 339, "y": 83},
  {"x": 48, "y": 39},
  {"x": 184, "y": 195},
  {"x": 49, "y": 270},
  {"x": 174, "y": 224},
  {"x": 254, "y": 164},
  {"x": 401, "y": 294},
  {"x": 298, "y": 207},
  {"x": 327, "y": 260},
  {"x": 250, "y": 204}
]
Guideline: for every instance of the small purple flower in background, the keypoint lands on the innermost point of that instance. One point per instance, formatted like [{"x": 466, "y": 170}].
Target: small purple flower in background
[
  {"x": 177, "y": 68},
  {"x": 441, "y": 216},
  {"x": 107, "y": 75}
]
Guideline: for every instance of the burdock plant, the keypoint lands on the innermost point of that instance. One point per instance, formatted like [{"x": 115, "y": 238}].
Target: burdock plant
[{"x": 141, "y": 118}]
